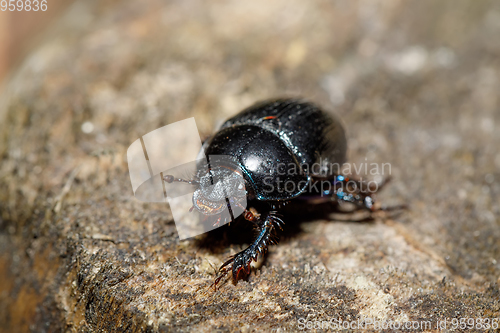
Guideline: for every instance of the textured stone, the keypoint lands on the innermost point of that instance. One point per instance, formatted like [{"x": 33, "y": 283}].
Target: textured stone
[{"x": 415, "y": 82}]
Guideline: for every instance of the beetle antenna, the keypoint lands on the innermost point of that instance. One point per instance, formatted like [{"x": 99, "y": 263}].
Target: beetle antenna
[{"x": 170, "y": 179}]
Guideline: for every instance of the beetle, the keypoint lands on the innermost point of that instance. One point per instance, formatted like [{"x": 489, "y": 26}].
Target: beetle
[{"x": 281, "y": 150}]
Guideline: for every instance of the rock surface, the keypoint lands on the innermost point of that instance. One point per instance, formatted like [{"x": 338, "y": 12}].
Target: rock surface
[{"x": 415, "y": 82}]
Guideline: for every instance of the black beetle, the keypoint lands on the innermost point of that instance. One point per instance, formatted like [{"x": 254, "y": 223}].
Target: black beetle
[{"x": 285, "y": 148}]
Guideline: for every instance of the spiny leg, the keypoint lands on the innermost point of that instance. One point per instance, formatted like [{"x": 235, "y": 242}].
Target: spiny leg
[
  {"x": 361, "y": 193},
  {"x": 266, "y": 236},
  {"x": 348, "y": 189}
]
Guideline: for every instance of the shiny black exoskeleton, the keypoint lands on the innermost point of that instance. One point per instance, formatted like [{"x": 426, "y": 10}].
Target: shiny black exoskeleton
[{"x": 286, "y": 149}]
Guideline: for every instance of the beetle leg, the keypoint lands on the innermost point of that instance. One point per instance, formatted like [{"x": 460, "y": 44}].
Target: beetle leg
[
  {"x": 347, "y": 189},
  {"x": 357, "y": 192},
  {"x": 242, "y": 260},
  {"x": 252, "y": 215}
]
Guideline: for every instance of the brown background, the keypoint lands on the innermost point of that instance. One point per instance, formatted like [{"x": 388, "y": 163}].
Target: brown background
[
  {"x": 21, "y": 31},
  {"x": 415, "y": 82}
]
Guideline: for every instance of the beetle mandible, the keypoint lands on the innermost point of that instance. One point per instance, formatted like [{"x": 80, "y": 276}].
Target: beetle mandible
[{"x": 266, "y": 141}]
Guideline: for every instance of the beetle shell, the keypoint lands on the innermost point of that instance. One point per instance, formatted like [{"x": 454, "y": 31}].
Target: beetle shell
[{"x": 269, "y": 138}]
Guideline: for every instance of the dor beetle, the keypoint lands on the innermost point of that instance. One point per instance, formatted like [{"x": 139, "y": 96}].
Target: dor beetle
[{"x": 286, "y": 149}]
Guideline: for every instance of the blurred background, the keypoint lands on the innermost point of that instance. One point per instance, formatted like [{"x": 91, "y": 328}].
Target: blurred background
[
  {"x": 21, "y": 30},
  {"x": 416, "y": 84}
]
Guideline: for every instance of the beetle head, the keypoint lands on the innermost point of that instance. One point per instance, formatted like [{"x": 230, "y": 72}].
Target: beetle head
[{"x": 218, "y": 187}]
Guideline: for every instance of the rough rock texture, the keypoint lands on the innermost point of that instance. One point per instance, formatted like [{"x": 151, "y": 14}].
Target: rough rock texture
[{"x": 415, "y": 82}]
